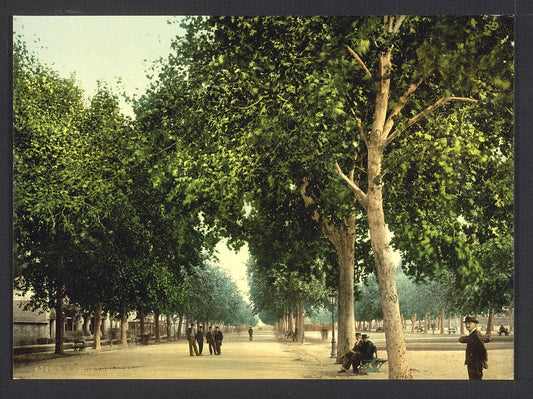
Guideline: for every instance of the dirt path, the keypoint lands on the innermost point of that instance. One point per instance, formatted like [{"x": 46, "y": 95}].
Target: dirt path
[{"x": 263, "y": 358}]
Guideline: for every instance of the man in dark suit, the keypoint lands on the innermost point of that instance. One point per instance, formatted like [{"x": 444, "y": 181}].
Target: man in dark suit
[
  {"x": 200, "y": 339},
  {"x": 476, "y": 353},
  {"x": 218, "y": 340},
  {"x": 351, "y": 358},
  {"x": 210, "y": 337}
]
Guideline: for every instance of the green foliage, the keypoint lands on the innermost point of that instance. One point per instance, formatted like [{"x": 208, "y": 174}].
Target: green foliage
[
  {"x": 212, "y": 295},
  {"x": 415, "y": 297}
]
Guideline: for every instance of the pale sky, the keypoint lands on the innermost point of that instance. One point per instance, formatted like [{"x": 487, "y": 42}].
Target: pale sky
[
  {"x": 109, "y": 48},
  {"x": 99, "y": 47}
]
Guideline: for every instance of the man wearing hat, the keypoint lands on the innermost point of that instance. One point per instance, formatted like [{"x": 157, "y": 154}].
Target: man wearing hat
[
  {"x": 200, "y": 339},
  {"x": 476, "y": 353},
  {"x": 191, "y": 337},
  {"x": 210, "y": 337},
  {"x": 218, "y": 340},
  {"x": 367, "y": 349},
  {"x": 352, "y": 357}
]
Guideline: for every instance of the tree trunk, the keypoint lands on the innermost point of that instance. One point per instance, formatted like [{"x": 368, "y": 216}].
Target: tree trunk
[
  {"x": 379, "y": 237},
  {"x": 511, "y": 324},
  {"x": 344, "y": 242},
  {"x": 169, "y": 327},
  {"x": 180, "y": 323},
  {"x": 462, "y": 328},
  {"x": 301, "y": 322},
  {"x": 156, "y": 326},
  {"x": 141, "y": 318},
  {"x": 60, "y": 330},
  {"x": 442, "y": 322},
  {"x": 291, "y": 323},
  {"x": 343, "y": 238},
  {"x": 490, "y": 323},
  {"x": 97, "y": 324},
  {"x": 426, "y": 323},
  {"x": 124, "y": 329},
  {"x": 413, "y": 322}
]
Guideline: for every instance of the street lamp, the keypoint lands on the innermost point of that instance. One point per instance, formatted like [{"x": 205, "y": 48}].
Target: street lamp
[{"x": 332, "y": 297}]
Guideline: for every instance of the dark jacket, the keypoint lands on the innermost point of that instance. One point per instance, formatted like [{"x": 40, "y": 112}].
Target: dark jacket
[
  {"x": 210, "y": 337},
  {"x": 367, "y": 350},
  {"x": 200, "y": 336},
  {"x": 218, "y": 336},
  {"x": 475, "y": 348}
]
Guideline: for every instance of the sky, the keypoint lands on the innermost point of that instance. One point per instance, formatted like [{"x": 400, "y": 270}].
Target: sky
[
  {"x": 112, "y": 48},
  {"x": 96, "y": 48}
]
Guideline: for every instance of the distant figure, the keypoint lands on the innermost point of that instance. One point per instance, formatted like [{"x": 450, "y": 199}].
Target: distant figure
[
  {"x": 251, "y": 332},
  {"x": 295, "y": 336},
  {"x": 503, "y": 331},
  {"x": 200, "y": 339},
  {"x": 218, "y": 340},
  {"x": 191, "y": 337},
  {"x": 476, "y": 353},
  {"x": 210, "y": 338}
]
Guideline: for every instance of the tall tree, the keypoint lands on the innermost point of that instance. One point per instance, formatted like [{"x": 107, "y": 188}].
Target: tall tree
[
  {"x": 281, "y": 105},
  {"x": 47, "y": 200}
]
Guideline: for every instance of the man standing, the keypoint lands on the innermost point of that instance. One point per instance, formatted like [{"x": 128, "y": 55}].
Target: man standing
[
  {"x": 200, "y": 339},
  {"x": 191, "y": 337},
  {"x": 476, "y": 353},
  {"x": 210, "y": 338},
  {"x": 218, "y": 340},
  {"x": 251, "y": 332}
]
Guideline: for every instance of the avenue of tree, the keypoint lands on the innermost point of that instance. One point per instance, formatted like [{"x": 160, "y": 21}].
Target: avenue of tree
[{"x": 322, "y": 142}]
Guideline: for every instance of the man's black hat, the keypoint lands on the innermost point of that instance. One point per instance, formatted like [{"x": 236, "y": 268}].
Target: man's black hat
[{"x": 471, "y": 319}]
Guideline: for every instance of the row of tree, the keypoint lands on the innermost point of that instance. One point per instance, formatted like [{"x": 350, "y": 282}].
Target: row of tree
[
  {"x": 91, "y": 225},
  {"x": 297, "y": 135}
]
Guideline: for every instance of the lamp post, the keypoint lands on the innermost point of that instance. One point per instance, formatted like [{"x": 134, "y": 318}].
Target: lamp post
[{"x": 332, "y": 297}]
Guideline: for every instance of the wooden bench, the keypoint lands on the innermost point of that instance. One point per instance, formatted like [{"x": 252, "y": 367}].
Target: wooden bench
[
  {"x": 504, "y": 332},
  {"x": 452, "y": 330},
  {"x": 80, "y": 345},
  {"x": 372, "y": 366},
  {"x": 145, "y": 338},
  {"x": 419, "y": 329}
]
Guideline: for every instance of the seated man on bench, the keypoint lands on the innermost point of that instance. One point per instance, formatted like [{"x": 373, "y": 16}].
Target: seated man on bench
[
  {"x": 352, "y": 357},
  {"x": 503, "y": 331},
  {"x": 363, "y": 352},
  {"x": 368, "y": 352},
  {"x": 80, "y": 344}
]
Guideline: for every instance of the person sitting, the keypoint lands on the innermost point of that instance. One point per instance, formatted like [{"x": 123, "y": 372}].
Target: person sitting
[
  {"x": 351, "y": 358},
  {"x": 503, "y": 330},
  {"x": 367, "y": 352}
]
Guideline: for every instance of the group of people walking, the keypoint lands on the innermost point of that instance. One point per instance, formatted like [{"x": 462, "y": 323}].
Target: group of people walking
[{"x": 196, "y": 340}]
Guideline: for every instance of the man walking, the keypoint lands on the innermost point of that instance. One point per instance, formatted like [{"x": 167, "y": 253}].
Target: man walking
[
  {"x": 191, "y": 337},
  {"x": 200, "y": 339},
  {"x": 210, "y": 338},
  {"x": 476, "y": 353},
  {"x": 218, "y": 340}
]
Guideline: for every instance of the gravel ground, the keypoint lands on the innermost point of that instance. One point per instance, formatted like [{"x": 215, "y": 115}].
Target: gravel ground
[{"x": 434, "y": 357}]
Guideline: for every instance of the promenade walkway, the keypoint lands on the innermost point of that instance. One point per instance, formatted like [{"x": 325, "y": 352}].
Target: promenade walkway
[{"x": 266, "y": 357}]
